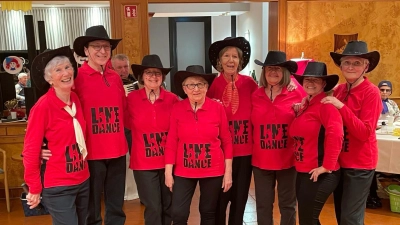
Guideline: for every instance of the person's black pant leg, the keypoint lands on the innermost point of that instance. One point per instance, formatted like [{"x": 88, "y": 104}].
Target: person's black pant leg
[
  {"x": 182, "y": 194},
  {"x": 82, "y": 201},
  {"x": 287, "y": 195},
  {"x": 311, "y": 196},
  {"x": 264, "y": 182},
  {"x": 61, "y": 203},
  {"x": 238, "y": 194},
  {"x": 155, "y": 196},
  {"x": 356, "y": 185},
  {"x": 209, "y": 192},
  {"x": 374, "y": 187},
  {"x": 98, "y": 172},
  {"x": 114, "y": 191}
]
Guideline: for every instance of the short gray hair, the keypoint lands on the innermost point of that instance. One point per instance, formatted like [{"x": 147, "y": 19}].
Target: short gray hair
[
  {"x": 53, "y": 63},
  {"x": 121, "y": 57},
  {"x": 196, "y": 78}
]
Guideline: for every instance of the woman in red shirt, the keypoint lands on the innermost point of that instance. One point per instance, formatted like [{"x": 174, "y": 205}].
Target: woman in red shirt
[
  {"x": 273, "y": 159},
  {"x": 199, "y": 148},
  {"x": 229, "y": 57},
  {"x": 58, "y": 118},
  {"x": 150, "y": 110},
  {"x": 317, "y": 150}
]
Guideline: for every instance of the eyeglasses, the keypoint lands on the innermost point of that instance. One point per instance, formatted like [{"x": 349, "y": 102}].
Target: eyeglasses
[
  {"x": 98, "y": 47},
  {"x": 354, "y": 64},
  {"x": 193, "y": 86},
  {"x": 152, "y": 73},
  {"x": 385, "y": 90}
]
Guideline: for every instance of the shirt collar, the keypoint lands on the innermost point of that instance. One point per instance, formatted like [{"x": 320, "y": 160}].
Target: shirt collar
[
  {"x": 317, "y": 98},
  {"x": 206, "y": 106},
  {"x": 144, "y": 95},
  {"x": 59, "y": 104},
  {"x": 90, "y": 71}
]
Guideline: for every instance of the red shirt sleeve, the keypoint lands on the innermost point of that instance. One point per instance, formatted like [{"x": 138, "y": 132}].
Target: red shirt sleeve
[
  {"x": 35, "y": 132},
  {"x": 333, "y": 124},
  {"x": 364, "y": 124},
  {"x": 225, "y": 135},
  {"x": 172, "y": 138}
]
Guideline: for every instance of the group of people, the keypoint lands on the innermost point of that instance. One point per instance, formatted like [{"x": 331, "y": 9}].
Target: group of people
[{"x": 224, "y": 129}]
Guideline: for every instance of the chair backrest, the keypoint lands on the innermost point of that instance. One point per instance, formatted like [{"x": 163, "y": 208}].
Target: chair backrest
[{"x": 4, "y": 165}]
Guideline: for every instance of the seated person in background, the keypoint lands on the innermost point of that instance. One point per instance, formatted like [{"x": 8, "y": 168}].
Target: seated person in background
[
  {"x": 19, "y": 87},
  {"x": 390, "y": 107},
  {"x": 120, "y": 64}
]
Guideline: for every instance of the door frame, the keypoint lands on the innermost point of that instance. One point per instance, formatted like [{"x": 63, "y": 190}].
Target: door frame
[{"x": 173, "y": 43}]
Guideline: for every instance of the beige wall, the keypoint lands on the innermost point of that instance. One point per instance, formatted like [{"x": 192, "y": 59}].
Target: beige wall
[{"x": 311, "y": 27}]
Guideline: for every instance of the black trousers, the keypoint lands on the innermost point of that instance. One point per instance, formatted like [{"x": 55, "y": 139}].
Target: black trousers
[
  {"x": 374, "y": 187},
  {"x": 67, "y": 205},
  {"x": 351, "y": 195},
  {"x": 107, "y": 175},
  {"x": 265, "y": 182},
  {"x": 238, "y": 194},
  {"x": 311, "y": 196},
  {"x": 182, "y": 195},
  {"x": 155, "y": 196}
]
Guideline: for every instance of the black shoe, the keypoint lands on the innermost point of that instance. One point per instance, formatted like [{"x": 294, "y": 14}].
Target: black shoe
[{"x": 374, "y": 203}]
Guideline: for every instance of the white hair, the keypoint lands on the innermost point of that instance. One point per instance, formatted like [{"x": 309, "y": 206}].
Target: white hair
[
  {"x": 21, "y": 75},
  {"x": 53, "y": 63}
]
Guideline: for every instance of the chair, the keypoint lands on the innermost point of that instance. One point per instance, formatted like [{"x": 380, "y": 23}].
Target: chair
[{"x": 3, "y": 176}]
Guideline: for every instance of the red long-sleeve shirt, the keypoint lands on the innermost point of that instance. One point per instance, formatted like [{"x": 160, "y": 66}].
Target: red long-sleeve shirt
[
  {"x": 48, "y": 119},
  {"x": 150, "y": 125},
  {"x": 104, "y": 103},
  {"x": 272, "y": 149},
  {"x": 198, "y": 143},
  {"x": 239, "y": 123},
  {"x": 318, "y": 136},
  {"x": 360, "y": 115}
]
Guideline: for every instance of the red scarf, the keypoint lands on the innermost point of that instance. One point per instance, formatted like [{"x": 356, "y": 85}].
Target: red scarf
[{"x": 231, "y": 93}]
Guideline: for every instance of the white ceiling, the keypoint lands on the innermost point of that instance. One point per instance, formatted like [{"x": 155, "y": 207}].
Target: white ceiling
[{"x": 163, "y": 10}]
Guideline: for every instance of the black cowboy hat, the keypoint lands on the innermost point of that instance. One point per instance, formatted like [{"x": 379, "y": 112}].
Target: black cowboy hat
[
  {"x": 191, "y": 71},
  {"x": 318, "y": 70},
  {"x": 40, "y": 62},
  {"x": 149, "y": 61},
  {"x": 239, "y": 42},
  {"x": 358, "y": 49},
  {"x": 93, "y": 34},
  {"x": 278, "y": 58}
]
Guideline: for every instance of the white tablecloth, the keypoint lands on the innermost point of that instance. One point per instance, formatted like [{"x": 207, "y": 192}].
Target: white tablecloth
[
  {"x": 389, "y": 153},
  {"x": 130, "y": 184}
]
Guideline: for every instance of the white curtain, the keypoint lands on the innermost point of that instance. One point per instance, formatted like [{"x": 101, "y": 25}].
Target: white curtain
[{"x": 62, "y": 25}]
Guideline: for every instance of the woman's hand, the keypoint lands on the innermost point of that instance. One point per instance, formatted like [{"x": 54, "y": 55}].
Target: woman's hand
[
  {"x": 318, "y": 171},
  {"x": 332, "y": 100},
  {"x": 45, "y": 154},
  {"x": 227, "y": 181},
  {"x": 291, "y": 86},
  {"x": 298, "y": 106},
  {"x": 169, "y": 181},
  {"x": 33, "y": 200}
]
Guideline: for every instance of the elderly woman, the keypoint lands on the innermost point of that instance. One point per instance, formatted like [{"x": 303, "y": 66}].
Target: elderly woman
[
  {"x": 317, "y": 150},
  {"x": 273, "y": 160},
  {"x": 199, "y": 148},
  {"x": 360, "y": 105},
  {"x": 229, "y": 57},
  {"x": 57, "y": 117},
  {"x": 149, "y": 135}
]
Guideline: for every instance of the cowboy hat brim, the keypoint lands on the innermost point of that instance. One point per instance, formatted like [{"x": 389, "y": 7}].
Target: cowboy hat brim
[
  {"x": 239, "y": 42},
  {"x": 138, "y": 69},
  {"x": 180, "y": 76},
  {"x": 290, "y": 65},
  {"x": 373, "y": 58},
  {"x": 39, "y": 64},
  {"x": 80, "y": 42},
  {"x": 331, "y": 80}
]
